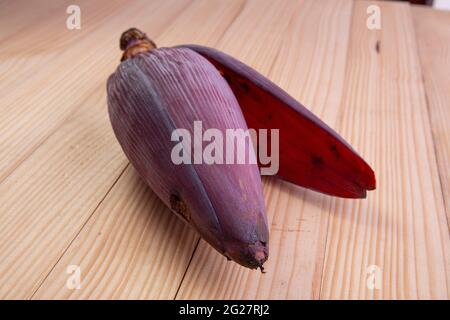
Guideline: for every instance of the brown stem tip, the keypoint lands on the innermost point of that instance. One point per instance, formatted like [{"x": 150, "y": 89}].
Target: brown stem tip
[{"x": 133, "y": 41}]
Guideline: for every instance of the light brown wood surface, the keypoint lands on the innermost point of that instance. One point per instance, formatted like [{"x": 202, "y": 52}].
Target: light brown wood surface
[
  {"x": 69, "y": 197},
  {"x": 433, "y": 41},
  {"x": 387, "y": 121}
]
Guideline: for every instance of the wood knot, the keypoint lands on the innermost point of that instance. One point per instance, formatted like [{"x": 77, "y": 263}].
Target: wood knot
[{"x": 377, "y": 46}]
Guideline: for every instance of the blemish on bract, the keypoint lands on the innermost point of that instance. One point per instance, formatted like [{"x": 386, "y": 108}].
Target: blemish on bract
[
  {"x": 178, "y": 205},
  {"x": 335, "y": 151},
  {"x": 316, "y": 160},
  {"x": 244, "y": 86}
]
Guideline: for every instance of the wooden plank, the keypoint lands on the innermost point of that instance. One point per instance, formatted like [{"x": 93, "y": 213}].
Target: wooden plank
[
  {"x": 27, "y": 57},
  {"x": 401, "y": 228},
  {"x": 433, "y": 39},
  {"x": 133, "y": 246},
  {"x": 47, "y": 200},
  {"x": 63, "y": 76},
  {"x": 70, "y": 200},
  {"x": 20, "y": 14},
  {"x": 302, "y": 47}
]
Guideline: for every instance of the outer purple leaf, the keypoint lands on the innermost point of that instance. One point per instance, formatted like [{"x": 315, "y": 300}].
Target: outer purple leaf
[{"x": 156, "y": 92}]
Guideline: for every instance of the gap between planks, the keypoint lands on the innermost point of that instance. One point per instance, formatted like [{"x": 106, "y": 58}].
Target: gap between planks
[
  {"x": 242, "y": 6},
  {"x": 23, "y": 283},
  {"x": 200, "y": 2},
  {"x": 199, "y": 238},
  {"x": 79, "y": 231},
  {"x": 196, "y": 246},
  {"x": 211, "y": 277},
  {"x": 407, "y": 241},
  {"x": 47, "y": 94}
]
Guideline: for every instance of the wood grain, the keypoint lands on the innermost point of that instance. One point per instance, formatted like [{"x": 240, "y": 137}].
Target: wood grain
[
  {"x": 69, "y": 197},
  {"x": 401, "y": 227},
  {"x": 145, "y": 249},
  {"x": 47, "y": 200},
  {"x": 433, "y": 40},
  {"x": 306, "y": 55},
  {"x": 63, "y": 61},
  {"x": 21, "y": 14},
  {"x": 40, "y": 43},
  {"x": 132, "y": 247}
]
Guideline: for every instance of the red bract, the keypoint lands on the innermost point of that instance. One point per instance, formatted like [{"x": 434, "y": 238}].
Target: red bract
[{"x": 312, "y": 155}]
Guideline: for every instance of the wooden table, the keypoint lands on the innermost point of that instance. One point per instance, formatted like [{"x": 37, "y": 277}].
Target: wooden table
[{"x": 68, "y": 196}]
